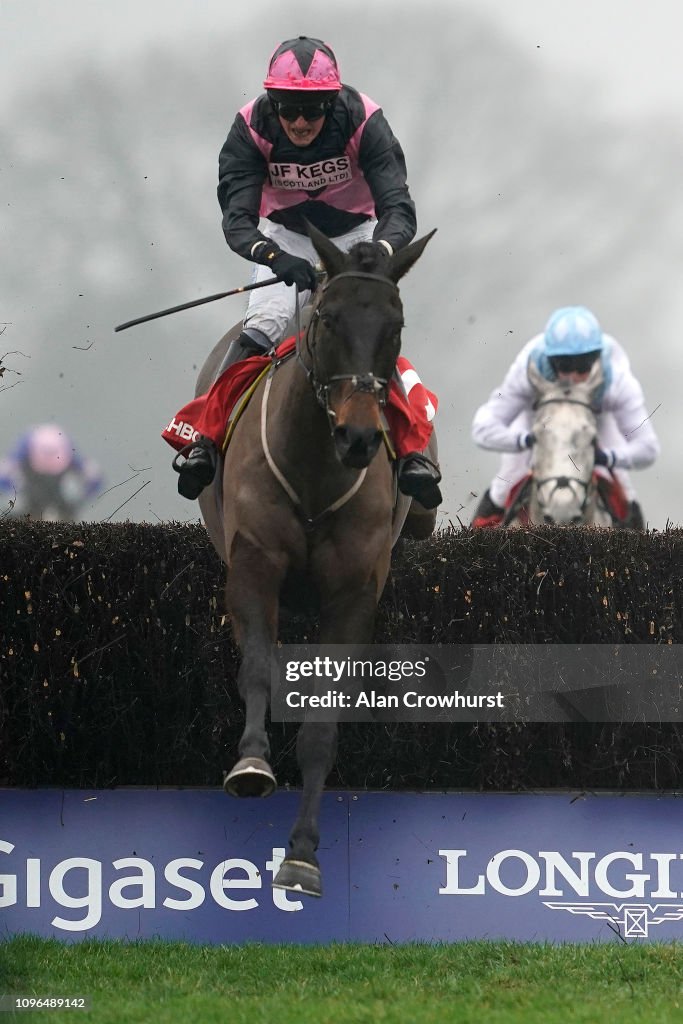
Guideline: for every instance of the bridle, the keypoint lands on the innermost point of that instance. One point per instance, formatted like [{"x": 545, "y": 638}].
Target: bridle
[
  {"x": 565, "y": 481},
  {"x": 367, "y": 383}
]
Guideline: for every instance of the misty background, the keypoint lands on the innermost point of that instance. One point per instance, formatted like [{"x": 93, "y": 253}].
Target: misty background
[{"x": 543, "y": 139}]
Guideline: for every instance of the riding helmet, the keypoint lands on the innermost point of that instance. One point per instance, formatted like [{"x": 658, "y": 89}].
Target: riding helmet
[
  {"x": 572, "y": 331},
  {"x": 303, "y": 64}
]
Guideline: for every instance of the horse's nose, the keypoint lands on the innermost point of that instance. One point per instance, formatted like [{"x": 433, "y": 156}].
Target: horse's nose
[{"x": 357, "y": 446}]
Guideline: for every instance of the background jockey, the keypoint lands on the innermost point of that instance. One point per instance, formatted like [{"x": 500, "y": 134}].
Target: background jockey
[
  {"x": 309, "y": 148},
  {"x": 571, "y": 343},
  {"x": 47, "y": 476}
]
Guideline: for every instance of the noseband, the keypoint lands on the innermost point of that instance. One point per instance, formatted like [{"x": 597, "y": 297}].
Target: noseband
[
  {"x": 367, "y": 383},
  {"x": 362, "y": 382},
  {"x": 565, "y": 481}
]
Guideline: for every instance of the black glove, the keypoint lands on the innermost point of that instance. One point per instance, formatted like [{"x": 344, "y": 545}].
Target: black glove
[
  {"x": 603, "y": 458},
  {"x": 526, "y": 441},
  {"x": 290, "y": 269}
]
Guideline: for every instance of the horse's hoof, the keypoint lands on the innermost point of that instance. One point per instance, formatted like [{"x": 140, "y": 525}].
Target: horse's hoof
[
  {"x": 252, "y": 776},
  {"x": 298, "y": 876}
]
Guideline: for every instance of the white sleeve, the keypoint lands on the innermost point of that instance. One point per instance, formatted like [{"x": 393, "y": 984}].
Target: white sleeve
[
  {"x": 492, "y": 424},
  {"x": 639, "y": 446}
]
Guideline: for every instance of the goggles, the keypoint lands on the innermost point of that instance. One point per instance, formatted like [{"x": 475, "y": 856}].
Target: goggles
[
  {"x": 573, "y": 364},
  {"x": 310, "y": 110}
]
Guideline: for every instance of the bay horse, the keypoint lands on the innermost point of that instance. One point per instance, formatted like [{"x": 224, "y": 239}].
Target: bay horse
[
  {"x": 563, "y": 486},
  {"x": 307, "y": 488}
]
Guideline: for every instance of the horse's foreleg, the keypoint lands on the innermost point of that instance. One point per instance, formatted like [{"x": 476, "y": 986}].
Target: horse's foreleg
[
  {"x": 316, "y": 749},
  {"x": 346, "y": 618},
  {"x": 252, "y": 594}
]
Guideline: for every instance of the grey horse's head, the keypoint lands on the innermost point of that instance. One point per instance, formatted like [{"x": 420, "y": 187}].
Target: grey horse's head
[{"x": 563, "y": 455}]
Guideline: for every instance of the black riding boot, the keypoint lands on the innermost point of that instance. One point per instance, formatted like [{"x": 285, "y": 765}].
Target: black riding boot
[
  {"x": 199, "y": 467},
  {"x": 635, "y": 519},
  {"x": 419, "y": 477},
  {"x": 487, "y": 507},
  {"x": 201, "y": 456},
  {"x": 242, "y": 348}
]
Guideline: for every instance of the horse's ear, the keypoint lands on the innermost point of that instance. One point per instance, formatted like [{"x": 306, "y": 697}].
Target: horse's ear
[
  {"x": 402, "y": 261},
  {"x": 539, "y": 383},
  {"x": 596, "y": 378},
  {"x": 334, "y": 260}
]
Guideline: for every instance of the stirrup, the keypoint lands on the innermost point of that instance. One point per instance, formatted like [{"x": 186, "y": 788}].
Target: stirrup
[
  {"x": 423, "y": 460},
  {"x": 202, "y": 442},
  {"x": 182, "y": 454}
]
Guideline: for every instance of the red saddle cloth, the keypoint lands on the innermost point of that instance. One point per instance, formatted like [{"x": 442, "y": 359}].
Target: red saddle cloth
[
  {"x": 516, "y": 498},
  {"x": 408, "y": 416},
  {"x": 609, "y": 488}
]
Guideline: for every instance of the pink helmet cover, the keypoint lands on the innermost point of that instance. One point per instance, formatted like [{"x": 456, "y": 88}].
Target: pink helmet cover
[
  {"x": 303, "y": 64},
  {"x": 49, "y": 450}
]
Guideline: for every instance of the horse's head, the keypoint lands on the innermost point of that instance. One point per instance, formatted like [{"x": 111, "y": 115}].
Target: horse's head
[
  {"x": 565, "y": 430},
  {"x": 354, "y": 340}
]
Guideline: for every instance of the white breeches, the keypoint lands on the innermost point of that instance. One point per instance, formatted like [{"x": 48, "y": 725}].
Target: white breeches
[{"x": 271, "y": 309}]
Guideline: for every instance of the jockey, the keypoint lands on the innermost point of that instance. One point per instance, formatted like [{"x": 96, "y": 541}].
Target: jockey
[
  {"x": 49, "y": 477},
  {"x": 308, "y": 149},
  {"x": 567, "y": 349}
]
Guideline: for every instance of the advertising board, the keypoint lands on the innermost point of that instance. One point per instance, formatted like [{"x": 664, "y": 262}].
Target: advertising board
[{"x": 397, "y": 867}]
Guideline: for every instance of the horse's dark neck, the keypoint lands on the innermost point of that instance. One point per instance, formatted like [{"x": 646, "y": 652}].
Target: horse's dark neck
[{"x": 300, "y": 439}]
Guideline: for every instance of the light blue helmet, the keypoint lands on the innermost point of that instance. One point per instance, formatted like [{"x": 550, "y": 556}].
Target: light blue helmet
[{"x": 572, "y": 331}]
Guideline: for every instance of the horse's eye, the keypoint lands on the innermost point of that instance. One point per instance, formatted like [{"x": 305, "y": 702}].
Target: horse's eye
[{"x": 326, "y": 319}]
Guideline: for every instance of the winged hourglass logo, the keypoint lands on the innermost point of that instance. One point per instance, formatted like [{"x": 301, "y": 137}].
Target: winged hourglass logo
[{"x": 632, "y": 919}]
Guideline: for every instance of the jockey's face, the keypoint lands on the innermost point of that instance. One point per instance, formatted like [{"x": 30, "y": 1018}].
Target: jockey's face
[
  {"x": 573, "y": 377},
  {"x": 573, "y": 369},
  {"x": 302, "y": 132},
  {"x": 301, "y": 114}
]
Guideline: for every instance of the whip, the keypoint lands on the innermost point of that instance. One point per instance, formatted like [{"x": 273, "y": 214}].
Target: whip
[{"x": 196, "y": 302}]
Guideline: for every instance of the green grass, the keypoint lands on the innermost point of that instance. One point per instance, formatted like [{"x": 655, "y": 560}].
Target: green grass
[{"x": 477, "y": 982}]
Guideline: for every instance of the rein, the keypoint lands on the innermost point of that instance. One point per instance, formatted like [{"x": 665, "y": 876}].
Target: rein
[
  {"x": 563, "y": 401},
  {"x": 564, "y": 481},
  {"x": 367, "y": 382},
  {"x": 310, "y": 522}
]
